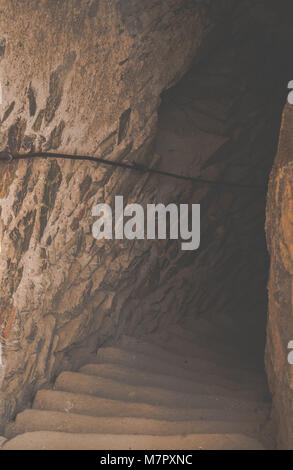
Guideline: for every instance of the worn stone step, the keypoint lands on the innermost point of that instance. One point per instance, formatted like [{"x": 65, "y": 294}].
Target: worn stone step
[
  {"x": 54, "y": 400},
  {"x": 201, "y": 329},
  {"x": 185, "y": 359},
  {"x": 207, "y": 385},
  {"x": 166, "y": 340},
  {"x": 46, "y": 440},
  {"x": 2, "y": 441},
  {"x": 196, "y": 370},
  {"x": 99, "y": 386},
  {"x": 145, "y": 345},
  {"x": 210, "y": 351},
  {"x": 36, "y": 420}
]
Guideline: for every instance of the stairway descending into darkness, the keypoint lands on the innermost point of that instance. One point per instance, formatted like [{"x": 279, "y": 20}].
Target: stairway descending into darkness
[
  {"x": 180, "y": 389},
  {"x": 194, "y": 386}
]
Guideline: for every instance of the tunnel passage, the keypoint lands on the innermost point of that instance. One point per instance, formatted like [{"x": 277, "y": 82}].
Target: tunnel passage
[{"x": 221, "y": 122}]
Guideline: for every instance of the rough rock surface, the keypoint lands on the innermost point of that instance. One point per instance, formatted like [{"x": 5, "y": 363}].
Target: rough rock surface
[
  {"x": 82, "y": 77},
  {"x": 7, "y": 410},
  {"x": 280, "y": 321},
  {"x": 88, "y": 77}
]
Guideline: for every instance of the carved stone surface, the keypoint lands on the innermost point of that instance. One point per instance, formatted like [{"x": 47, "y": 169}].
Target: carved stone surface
[
  {"x": 89, "y": 78},
  {"x": 280, "y": 321},
  {"x": 82, "y": 77},
  {"x": 7, "y": 410}
]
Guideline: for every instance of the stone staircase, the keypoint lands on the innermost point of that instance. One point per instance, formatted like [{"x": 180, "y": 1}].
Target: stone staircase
[
  {"x": 199, "y": 386},
  {"x": 159, "y": 392}
]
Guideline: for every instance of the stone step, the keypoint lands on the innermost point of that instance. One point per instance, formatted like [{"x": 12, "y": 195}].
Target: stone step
[
  {"x": 205, "y": 348},
  {"x": 194, "y": 371},
  {"x": 146, "y": 345},
  {"x": 36, "y": 420},
  {"x": 137, "y": 377},
  {"x": 2, "y": 441},
  {"x": 210, "y": 351},
  {"x": 46, "y": 440},
  {"x": 74, "y": 382},
  {"x": 184, "y": 359},
  {"x": 54, "y": 400},
  {"x": 201, "y": 329}
]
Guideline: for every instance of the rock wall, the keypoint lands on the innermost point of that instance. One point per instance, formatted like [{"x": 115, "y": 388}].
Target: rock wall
[
  {"x": 89, "y": 78},
  {"x": 85, "y": 78},
  {"x": 280, "y": 316}
]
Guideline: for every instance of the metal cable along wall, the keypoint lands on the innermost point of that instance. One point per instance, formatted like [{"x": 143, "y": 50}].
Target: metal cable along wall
[{"x": 7, "y": 156}]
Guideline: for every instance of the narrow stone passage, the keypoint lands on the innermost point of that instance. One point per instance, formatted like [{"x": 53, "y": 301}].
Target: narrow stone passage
[
  {"x": 197, "y": 382},
  {"x": 222, "y": 122}
]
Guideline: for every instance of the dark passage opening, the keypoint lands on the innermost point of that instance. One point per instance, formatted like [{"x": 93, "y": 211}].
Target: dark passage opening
[
  {"x": 222, "y": 122},
  {"x": 174, "y": 353}
]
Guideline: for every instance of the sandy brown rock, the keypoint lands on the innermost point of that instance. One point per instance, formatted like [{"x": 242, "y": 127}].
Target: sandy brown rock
[
  {"x": 7, "y": 410},
  {"x": 90, "y": 79},
  {"x": 86, "y": 78},
  {"x": 66, "y": 441},
  {"x": 280, "y": 322}
]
